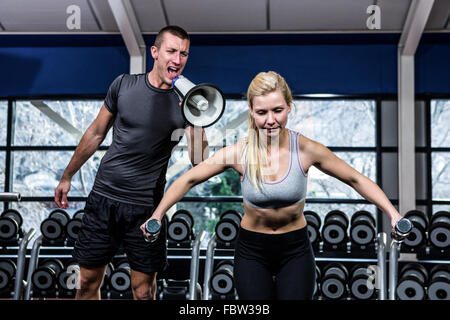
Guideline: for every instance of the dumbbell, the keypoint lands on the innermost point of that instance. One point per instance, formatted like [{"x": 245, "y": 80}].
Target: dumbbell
[
  {"x": 120, "y": 279},
  {"x": 417, "y": 236},
  {"x": 45, "y": 277},
  {"x": 106, "y": 279},
  {"x": 180, "y": 226},
  {"x": 73, "y": 225},
  {"x": 67, "y": 278},
  {"x": 362, "y": 228},
  {"x": 317, "y": 283},
  {"x": 53, "y": 227},
  {"x": 10, "y": 224},
  {"x": 175, "y": 290},
  {"x": 7, "y": 274},
  {"x": 439, "y": 232},
  {"x": 313, "y": 225},
  {"x": 401, "y": 230},
  {"x": 439, "y": 285},
  {"x": 334, "y": 280},
  {"x": 160, "y": 284},
  {"x": 334, "y": 230},
  {"x": 153, "y": 228},
  {"x": 361, "y": 284},
  {"x": 413, "y": 278},
  {"x": 221, "y": 281},
  {"x": 233, "y": 215},
  {"x": 227, "y": 229}
]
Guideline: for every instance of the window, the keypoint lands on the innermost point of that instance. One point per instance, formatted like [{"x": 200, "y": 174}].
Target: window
[
  {"x": 3, "y": 128},
  {"x": 37, "y": 173},
  {"x": 231, "y": 127},
  {"x": 46, "y": 133},
  {"x": 2, "y": 170},
  {"x": 440, "y": 154},
  {"x": 45, "y": 136},
  {"x": 54, "y": 123},
  {"x": 440, "y": 119},
  {"x": 347, "y": 124},
  {"x": 3, "y": 121},
  {"x": 335, "y": 123},
  {"x": 321, "y": 185}
]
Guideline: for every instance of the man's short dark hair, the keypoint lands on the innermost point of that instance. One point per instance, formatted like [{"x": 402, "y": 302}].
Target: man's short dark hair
[{"x": 174, "y": 30}]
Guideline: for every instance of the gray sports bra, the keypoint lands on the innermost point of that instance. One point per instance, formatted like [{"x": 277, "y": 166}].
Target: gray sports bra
[{"x": 288, "y": 191}]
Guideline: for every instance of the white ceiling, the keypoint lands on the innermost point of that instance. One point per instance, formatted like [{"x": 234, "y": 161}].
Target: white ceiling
[{"x": 217, "y": 16}]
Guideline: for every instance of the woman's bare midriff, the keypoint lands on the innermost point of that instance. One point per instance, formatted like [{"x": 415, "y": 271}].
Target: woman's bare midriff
[{"x": 274, "y": 221}]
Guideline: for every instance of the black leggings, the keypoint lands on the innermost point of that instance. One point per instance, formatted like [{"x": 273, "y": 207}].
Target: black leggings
[{"x": 274, "y": 266}]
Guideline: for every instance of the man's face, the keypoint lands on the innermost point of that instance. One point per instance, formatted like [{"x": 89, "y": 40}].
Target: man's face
[{"x": 170, "y": 58}]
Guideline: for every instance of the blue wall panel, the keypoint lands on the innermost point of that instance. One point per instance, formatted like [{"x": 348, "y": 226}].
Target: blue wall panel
[
  {"x": 432, "y": 65},
  {"x": 32, "y": 71},
  {"x": 50, "y": 65}
]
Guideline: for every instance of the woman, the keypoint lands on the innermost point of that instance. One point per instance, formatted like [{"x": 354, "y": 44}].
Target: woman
[{"x": 273, "y": 255}]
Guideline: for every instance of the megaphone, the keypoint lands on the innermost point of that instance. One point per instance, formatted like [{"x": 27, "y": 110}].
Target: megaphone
[{"x": 202, "y": 105}]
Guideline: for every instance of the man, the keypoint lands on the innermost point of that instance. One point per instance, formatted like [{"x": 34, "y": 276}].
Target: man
[{"x": 145, "y": 113}]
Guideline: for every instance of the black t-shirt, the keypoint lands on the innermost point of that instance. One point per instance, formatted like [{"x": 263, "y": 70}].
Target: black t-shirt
[{"x": 148, "y": 124}]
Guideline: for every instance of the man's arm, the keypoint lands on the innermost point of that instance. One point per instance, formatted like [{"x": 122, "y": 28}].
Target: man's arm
[
  {"x": 197, "y": 144},
  {"x": 88, "y": 144}
]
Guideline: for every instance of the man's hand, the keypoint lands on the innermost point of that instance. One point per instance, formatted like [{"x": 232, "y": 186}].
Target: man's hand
[
  {"x": 61, "y": 192},
  {"x": 151, "y": 229}
]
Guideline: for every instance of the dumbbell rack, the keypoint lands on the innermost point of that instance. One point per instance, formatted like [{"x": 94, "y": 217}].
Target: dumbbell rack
[
  {"x": 192, "y": 252},
  {"x": 423, "y": 254},
  {"x": 17, "y": 249},
  {"x": 215, "y": 250},
  {"x": 43, "y": 248},
  {"x": 350, "y": 253},
  {"x": 60, "y": 250},
  {"x": 377, "y": 255}
]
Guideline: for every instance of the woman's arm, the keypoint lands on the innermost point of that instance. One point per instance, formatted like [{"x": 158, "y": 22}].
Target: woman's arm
[
  {"x": 219, "y": 162},
  {"x": 327, "y": 162}
]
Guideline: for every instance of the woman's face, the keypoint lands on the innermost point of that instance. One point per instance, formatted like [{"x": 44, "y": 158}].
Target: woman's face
[{"x": 270, "y": 113}]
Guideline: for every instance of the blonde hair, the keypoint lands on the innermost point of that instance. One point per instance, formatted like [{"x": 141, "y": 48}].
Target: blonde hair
[{"x": 255, "y": 150}]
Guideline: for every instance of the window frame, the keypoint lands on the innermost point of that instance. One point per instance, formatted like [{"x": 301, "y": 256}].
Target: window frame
[{"x": 378, "y": 148}]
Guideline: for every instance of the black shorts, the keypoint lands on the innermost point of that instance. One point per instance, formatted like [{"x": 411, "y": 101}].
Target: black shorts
[{"x": 107, "y": 224}]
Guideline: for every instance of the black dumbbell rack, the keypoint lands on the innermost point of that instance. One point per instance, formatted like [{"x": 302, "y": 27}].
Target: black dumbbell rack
[{"x": 16, "y": 249}]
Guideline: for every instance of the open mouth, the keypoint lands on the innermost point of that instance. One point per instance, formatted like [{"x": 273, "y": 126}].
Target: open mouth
[{"x": 173, "y": 72}]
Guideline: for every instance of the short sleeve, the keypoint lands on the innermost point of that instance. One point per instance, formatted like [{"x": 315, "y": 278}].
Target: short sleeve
[{"x": 113, "y": 94}]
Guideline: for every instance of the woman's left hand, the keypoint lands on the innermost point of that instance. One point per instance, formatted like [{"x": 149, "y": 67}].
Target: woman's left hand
[{"x": 394, "y": 220}]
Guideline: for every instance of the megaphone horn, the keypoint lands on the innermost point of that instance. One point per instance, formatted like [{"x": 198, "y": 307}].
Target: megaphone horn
[{"x": 202, "y": 105}]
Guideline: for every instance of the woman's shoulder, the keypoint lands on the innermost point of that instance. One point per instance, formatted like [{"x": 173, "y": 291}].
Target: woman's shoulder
[{"x": 305, "y": 143}]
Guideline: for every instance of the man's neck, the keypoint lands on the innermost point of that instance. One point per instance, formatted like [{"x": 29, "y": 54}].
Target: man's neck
[{"x": 156, "y": 81}]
